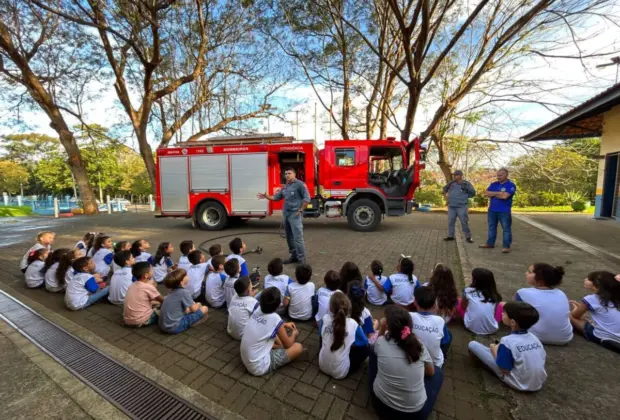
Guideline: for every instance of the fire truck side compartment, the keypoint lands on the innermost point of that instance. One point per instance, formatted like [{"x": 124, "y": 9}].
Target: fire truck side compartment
[
  {"x": 209, "y": 173},
  {"x": 174, "y": 184},
  {"x": 248, "y": 176}
]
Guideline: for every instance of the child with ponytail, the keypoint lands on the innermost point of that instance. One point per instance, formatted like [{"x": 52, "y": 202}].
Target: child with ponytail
[
  {"x": 51, "y": 267},
  {"x": 377, "y": 285},
  {"x": 344, "y": 346},
  {"x": 403, "y": 283},
  {"x": 404, "y": 383},
  {"x": 359, "y": 312}
]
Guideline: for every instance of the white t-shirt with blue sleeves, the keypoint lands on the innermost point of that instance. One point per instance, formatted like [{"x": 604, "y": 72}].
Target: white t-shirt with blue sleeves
[
  {"x": 430, "y": 329},
  {"x": 239, "y": 312},
  {"x": 323, "y": 296},
  {"x": 78, "y": 290},
  {"x": 553, "y": 326},
  {"x": 300, "y": 304},
  {"x": 81, "y": 246},
  {"x": 144, "y": 257},
  {"x": 35, "y": 276},
  {"x": 280, "y": 281},
  {"x": 51, "y": 283},
  {"x": 119, "y": 283},
  {"x": 479, "y": 316},
  {"x": 336, "y": 363},
  {"x": 242, "y": 264},
  {"x": 367, "y": 324},
  {"x": 23, "y": 264},
  {"x": 402, "y": 288},
  {"x": 184, "y": 263},
  {"x": 229, "y": 289},
  {"x": 214, "y": 289},
  {"x": 160, "y": 269},
  {"x": 258, "y": 338},
  {"x": 103, "y": 259},
  {"x": 605, "y": 320},
  {"x": 375, "y": 296},
  {"x": 196, "y": 274},
  {"x": 524, "y": 356}
]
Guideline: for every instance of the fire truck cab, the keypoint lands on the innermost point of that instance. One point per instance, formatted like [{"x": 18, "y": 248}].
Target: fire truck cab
[{"x": 215, "y": 182}]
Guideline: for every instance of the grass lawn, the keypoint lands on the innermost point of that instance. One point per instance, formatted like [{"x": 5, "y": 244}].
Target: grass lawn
[{"x": 15, "y": 211}]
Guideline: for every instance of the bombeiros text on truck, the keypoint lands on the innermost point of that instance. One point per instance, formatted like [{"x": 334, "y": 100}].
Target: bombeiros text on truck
[{"x": 215, "y": 181}]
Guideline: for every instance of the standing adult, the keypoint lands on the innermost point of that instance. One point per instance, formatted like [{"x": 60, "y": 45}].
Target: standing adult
[
  {"x": 500, "y": 207},
  {"x": 296, "y": 199},
  {"x": 457, "y": 193}
]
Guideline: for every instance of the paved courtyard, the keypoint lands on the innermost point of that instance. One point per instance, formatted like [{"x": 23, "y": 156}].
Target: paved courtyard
[{"x": 582, "y": 377}]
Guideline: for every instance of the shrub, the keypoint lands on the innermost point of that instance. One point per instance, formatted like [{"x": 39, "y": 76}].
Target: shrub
[
  {"x": 580, "y": 205},
  {"x": 430, "y": 194},
  {"x": 521, "y": 199}
]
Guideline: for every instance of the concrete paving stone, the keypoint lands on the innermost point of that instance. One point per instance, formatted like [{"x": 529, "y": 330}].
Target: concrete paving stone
[
  {"x": 213, "y": 363},
  {"x": 290, "y": 371},
  {"x": 301, "y": 402},
  {"x": 222, "y": 381},
  {"x": 360, "y": 413},
  {"x": 333, "y": 387},
  {"x": 263, "y": 401},
  {"x": 203, "y": 378},
  {"x": 175, "y": 372},
  {"x": 238, "y": 397},
  {"x": 224, "y": 356},
  {"x": 362, "y": 394},
  {"x": 237, "y": 372},
  {"x": 309, "y": 375},
  {"x": 212, "y": 392},
  {"x": 465, "y": 410},
  {"x": 499, "y": 408},
  {"x": 193, "y": 374},
  {"x": 446, "y": 405},
  {"x": 321, "y": 380},
  {"x": 278, "y": 386},
  {"x": 256, "y": 382},
  {"x": 192, "y": 342},
  {"x": 205, "y": 353},
  {"x": 322, "y": 406},
  {"x": 255, "y": 413},
  {"x": 337, "y": 409},
  {"x": 166, "y": 360},
  {"x": 187, "y": 364},
  {"x": 347, "y": 383},
  {"x": 287, "y": 412},
  {"x": 465, "y": 390},
  {"x": 183, "y": 348},
  {"x": 230, "y": 366},
  {"x": 307, "y": 390}
]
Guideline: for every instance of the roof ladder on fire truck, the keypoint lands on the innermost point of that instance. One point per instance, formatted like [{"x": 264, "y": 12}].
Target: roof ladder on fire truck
[{"x": 247, "y": 139}]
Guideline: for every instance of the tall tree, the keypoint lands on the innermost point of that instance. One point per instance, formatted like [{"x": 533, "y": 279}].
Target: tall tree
[
  {"x": 35, "y": 53},
  {"x": 12, "y": 176}
]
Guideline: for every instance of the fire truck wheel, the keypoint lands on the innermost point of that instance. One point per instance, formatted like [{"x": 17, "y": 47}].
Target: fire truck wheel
[
  {"x": 212, "y": 216},
  {"x": 364, "y": 215}
]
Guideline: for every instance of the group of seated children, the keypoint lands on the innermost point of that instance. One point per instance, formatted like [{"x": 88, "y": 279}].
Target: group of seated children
[{"x": 410, "y": 342}]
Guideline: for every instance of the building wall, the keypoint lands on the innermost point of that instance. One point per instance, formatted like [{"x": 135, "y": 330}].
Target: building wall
[{"x": 610, "y": 143}]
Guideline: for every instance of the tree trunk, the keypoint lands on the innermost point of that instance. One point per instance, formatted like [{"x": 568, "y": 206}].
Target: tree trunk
[
  {"x": 147, "y": 155},
  {"x": 443, "y": 161}
]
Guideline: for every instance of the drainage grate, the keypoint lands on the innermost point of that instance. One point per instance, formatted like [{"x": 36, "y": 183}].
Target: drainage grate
[{"x": 132, "y": 393}]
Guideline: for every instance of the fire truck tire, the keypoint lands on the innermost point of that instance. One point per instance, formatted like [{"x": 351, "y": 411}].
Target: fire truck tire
[
  {"x": 364, "y": 215},
  {"x": 212, "y": 216}
]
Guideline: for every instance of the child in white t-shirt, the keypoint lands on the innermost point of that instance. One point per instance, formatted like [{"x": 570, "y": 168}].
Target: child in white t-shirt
[
  {"x": 403, "y": 284},
  {"x": 196, "y": 273},
  {"x": 359, "y": 312},
  {"x": 480, "y": 303},
  {"x": 214, "y": 285},
  {"x": 64, "y": 272},
  {"x": 103, "y": 255},
  {"x": 344, "y": 346},
  {"x": 85, "y": 243},
  {"x": 241, "y": 307},
  {"x": 45, "y": 240},
  {"x": 35, "y": 271},
  {"x": 237, "y": 247},
  {"x": 162, "y": 263},
  {"x": 299, "y": 294},
  {"x": 138, "y": 249},
  {"x": 320, "y": 301},
  {"x": 267, "y": 342},
  {"x": 231, "y": 268},
  {"x": 378, "y": 287},
  {"x": 122, "y": 277},
  {"x": 185, "y": 247},
  {"x": 214, "y": 250},
  {"x": 430, "y": 328},
  {"x": 554, "y": 325},
  {"x": 442, "y": 283},
  {"x": 86, "y": 286},
  {"x": 275, "y": 278},
  {"x": 118, "y": 247},
  {"x": 518, "y": 359},
  {"x": 51, "y": 269},
  {"x": 604, "y": 308}
]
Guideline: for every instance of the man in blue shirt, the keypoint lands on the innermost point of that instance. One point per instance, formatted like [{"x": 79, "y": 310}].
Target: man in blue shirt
[
  {"x": 296, "y": 199},
  {"x": 500, "y": 194}
]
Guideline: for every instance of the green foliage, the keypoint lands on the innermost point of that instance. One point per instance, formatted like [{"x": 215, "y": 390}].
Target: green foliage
[
  {"x": 12, "y": 175},
  {"x": 53, "y": 173},
  {"x": 15, "y": 211},
  {"x": 430, "y": 195},
  {"x": 580, "y": 206}
]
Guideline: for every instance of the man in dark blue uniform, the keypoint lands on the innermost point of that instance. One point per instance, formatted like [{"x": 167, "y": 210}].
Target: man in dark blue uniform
[
  {"x": 500, "y": 206},
  {"x": 296, "y": 199}
]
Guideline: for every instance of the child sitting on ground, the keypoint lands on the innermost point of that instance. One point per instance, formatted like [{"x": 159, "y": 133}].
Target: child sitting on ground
[
  {"x": 232, "y": 270},
  {"x": 214, "y": 250},
  {"x": 403, "y": 283},
  {"x": 604, "y": 308},
  {"x": 118, "y": 247},
  {"x": 275, "y": 278},
  {"x": 45, "y": 240},
  {"x": 480, "y": 304},
  {"x": 35, "y": 271},
  {"x": 320, "y": 303},
  {"x": 103, "y": 256},
  {"x": 85, "y": 287},
  {"x": 344, "y": 346},
  {"x": 186, "y": 247},
  {"x": 349, "y": 272},
  {"x": 378, "y": 286},
  {"x": 359, "y": 312},
  {"x": 86, "y": 243},
  {"x": 64, "y": 273},
  {"x": 51, "y": 268},
  {"x": 241, "y": 307},
  {"x": 518, "y": 359},
  {"x": 554, "y": 325},
  {"x": 196, "y": 273},
  {"x": 141, "y": 295},
  {"x": 237, "y": 247},
  {"x": 138, "y": 249},
  {"x": 163, "y": 261},
  {"x": 299, "y": 294},
  {"x": 268, "y": 343},
  {"x": 214, "y": 286},
  {"x": 122, "y": 278},
  {"x": 442, "y": 283},
  {"x": 178, "y": 310},
  {"x": 430, "y": 329}
]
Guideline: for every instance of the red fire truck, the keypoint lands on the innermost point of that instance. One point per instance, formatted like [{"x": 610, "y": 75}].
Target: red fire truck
[{"x": 215, "y": 182}]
